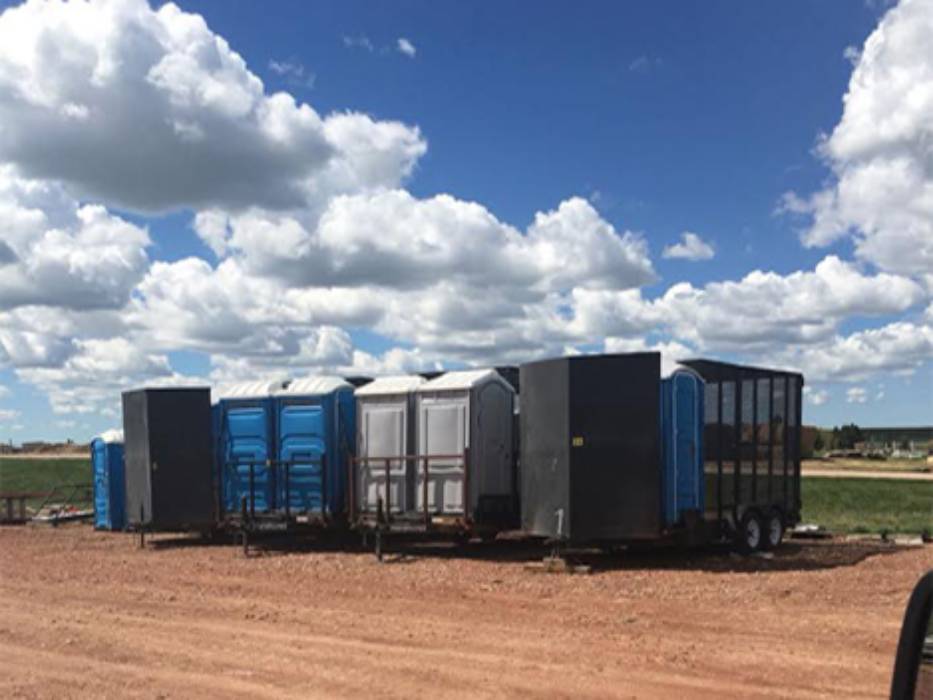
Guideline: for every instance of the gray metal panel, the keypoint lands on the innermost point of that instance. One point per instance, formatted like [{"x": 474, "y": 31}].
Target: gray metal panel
[
  {"x": 491, "y": 446},
  {"x": 545, "y": 444},
  {"x": 384, "y": 431},
  {"x": 615, "y": 433},
  {"x": 170, "y": 457},
  {"x": 443, "y": 429},
  {"x": 136, "y": 458},
  {"x": 591, "y": 447}
]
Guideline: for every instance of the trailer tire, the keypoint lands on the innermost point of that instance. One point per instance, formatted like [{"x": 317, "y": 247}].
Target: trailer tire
[
  {"x": 750, "y": 535},
  {"x": 773, "y": 533}
]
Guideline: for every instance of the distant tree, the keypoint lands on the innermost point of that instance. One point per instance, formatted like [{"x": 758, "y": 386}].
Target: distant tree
[
  {"x": 848, "y": 436},
  {"x": 819, "y": 444}
]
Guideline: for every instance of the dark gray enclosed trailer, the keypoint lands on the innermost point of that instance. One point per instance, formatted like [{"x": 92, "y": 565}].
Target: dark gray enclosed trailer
[
  {"x": 169, "y": 476},
  {"x": 590, "y": 435}
]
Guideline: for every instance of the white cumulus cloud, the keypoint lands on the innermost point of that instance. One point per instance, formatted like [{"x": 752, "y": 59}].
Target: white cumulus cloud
[
  {"x": 856, "y": 394},
  {"x": 816, "y": 397},
  {"x": 691, "y": 247},
  {"x": 195, "y": 126},
  {"x": 879, "y": 152},
  {"x": 406, "y": 47}
]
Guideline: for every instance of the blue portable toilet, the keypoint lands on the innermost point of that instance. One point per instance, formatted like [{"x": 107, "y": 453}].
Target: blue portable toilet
[
  {"x": 682, "y": 485},
  {"x": 244, "y": 424},
  {"x": 315, "y": 433},
  {"x": 109, "y": 491}
]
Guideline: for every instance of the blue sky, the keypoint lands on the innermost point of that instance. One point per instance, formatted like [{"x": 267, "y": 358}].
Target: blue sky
[{"x": 661, "y": 118}]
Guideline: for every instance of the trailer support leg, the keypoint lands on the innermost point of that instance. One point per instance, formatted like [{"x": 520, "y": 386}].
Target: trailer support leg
[
  {"x": 142, "y": 526},
  {"x": 380, "y": 525},
  {"x": 245, "y": 523}
]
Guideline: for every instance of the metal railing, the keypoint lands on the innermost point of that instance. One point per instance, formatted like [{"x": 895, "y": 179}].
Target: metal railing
[
  {"x": 385, "y": 513},
  {"x": 275, "y": 468}
]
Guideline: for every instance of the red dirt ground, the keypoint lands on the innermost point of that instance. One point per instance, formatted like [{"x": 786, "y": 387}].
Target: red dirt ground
[{"x": 85, "y": 614}]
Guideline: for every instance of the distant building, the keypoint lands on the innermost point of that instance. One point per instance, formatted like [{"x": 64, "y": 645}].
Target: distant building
[{"x": 907, "y": 439}]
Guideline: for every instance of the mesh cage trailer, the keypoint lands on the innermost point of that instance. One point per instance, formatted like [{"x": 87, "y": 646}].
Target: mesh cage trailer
[{"x": 751, "y": 442}]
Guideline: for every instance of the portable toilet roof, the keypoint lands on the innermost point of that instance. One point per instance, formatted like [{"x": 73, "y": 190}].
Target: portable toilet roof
[
  {"x": 461, "y": 380},
  {"x": 397, "y": 384},
  {"x": 314, "y": 386},
  {"x": 114, "y": 435},
  {"x": 248, "y": 390},
  {"x": 669, "y": 370}
]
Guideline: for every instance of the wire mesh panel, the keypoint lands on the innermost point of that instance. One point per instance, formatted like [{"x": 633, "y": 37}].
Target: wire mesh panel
[{"x": 751, "y": 438}]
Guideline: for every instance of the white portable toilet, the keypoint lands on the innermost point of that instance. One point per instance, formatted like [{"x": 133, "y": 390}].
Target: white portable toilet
[
  {"x": 385, "y": 430},
  {"x": 465, "y": 429}
]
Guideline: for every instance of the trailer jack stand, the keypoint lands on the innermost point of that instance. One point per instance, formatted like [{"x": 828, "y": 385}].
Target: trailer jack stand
[
  {"x": 557, "y": 563},
  {"x": 142, "y": 527}
]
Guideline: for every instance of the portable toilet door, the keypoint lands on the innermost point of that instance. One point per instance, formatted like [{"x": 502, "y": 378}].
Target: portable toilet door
[
  {"x": 385, "y": 410},
  {"x": 315, "y": 427},
  {"x": 108, "y": 467},
  {"x": 465, "y": 430},
  {"x": 247, "y": 444},
  {"x": 682, "y": 449}
]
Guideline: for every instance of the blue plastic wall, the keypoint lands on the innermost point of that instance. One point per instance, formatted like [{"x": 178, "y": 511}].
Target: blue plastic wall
[
  {"x": 246, "y": 435},
  {"x": 109, "y": 489},
  {"x": 316, "y": 433},
  {"x": 682, "y": 485}
]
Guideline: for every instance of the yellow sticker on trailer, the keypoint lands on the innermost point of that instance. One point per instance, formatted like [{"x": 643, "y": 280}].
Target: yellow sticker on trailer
[{"x": 578, "y": 441}]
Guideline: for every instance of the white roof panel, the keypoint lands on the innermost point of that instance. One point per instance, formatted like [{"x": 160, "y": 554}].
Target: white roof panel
[
  {"x": 115, "y": 435},
  {"x": 314, "y": 386},
  {"x": 463, "y": 379},
  {"x": 398, "y": 384},
  {"x": 668, "y": 370},
  {"x": 248, "y": 390}
]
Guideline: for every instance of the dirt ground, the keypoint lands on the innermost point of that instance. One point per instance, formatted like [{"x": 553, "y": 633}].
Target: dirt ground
[{"x": 85, "y": 614}]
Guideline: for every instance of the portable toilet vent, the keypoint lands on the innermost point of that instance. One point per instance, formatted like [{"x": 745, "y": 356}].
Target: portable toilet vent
[
  {"x": 109, "y": 480},
  {"x": 385, "y": 442},
  {"x": 243, "y": 419},
  {"x": 682, "y": 485},
  {"x": 315, "y": 421},
  {"x": 464, "y": 432}
]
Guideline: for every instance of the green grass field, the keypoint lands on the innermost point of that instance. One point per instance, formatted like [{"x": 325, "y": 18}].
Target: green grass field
[
  {"x": 41, "y": 474},
  {"x": 868, "y": 505}
]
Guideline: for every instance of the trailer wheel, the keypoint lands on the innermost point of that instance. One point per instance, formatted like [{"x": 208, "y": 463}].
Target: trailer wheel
[
  {"x": 750, "y": 536},
  {"x": 773, "y": 533}
]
